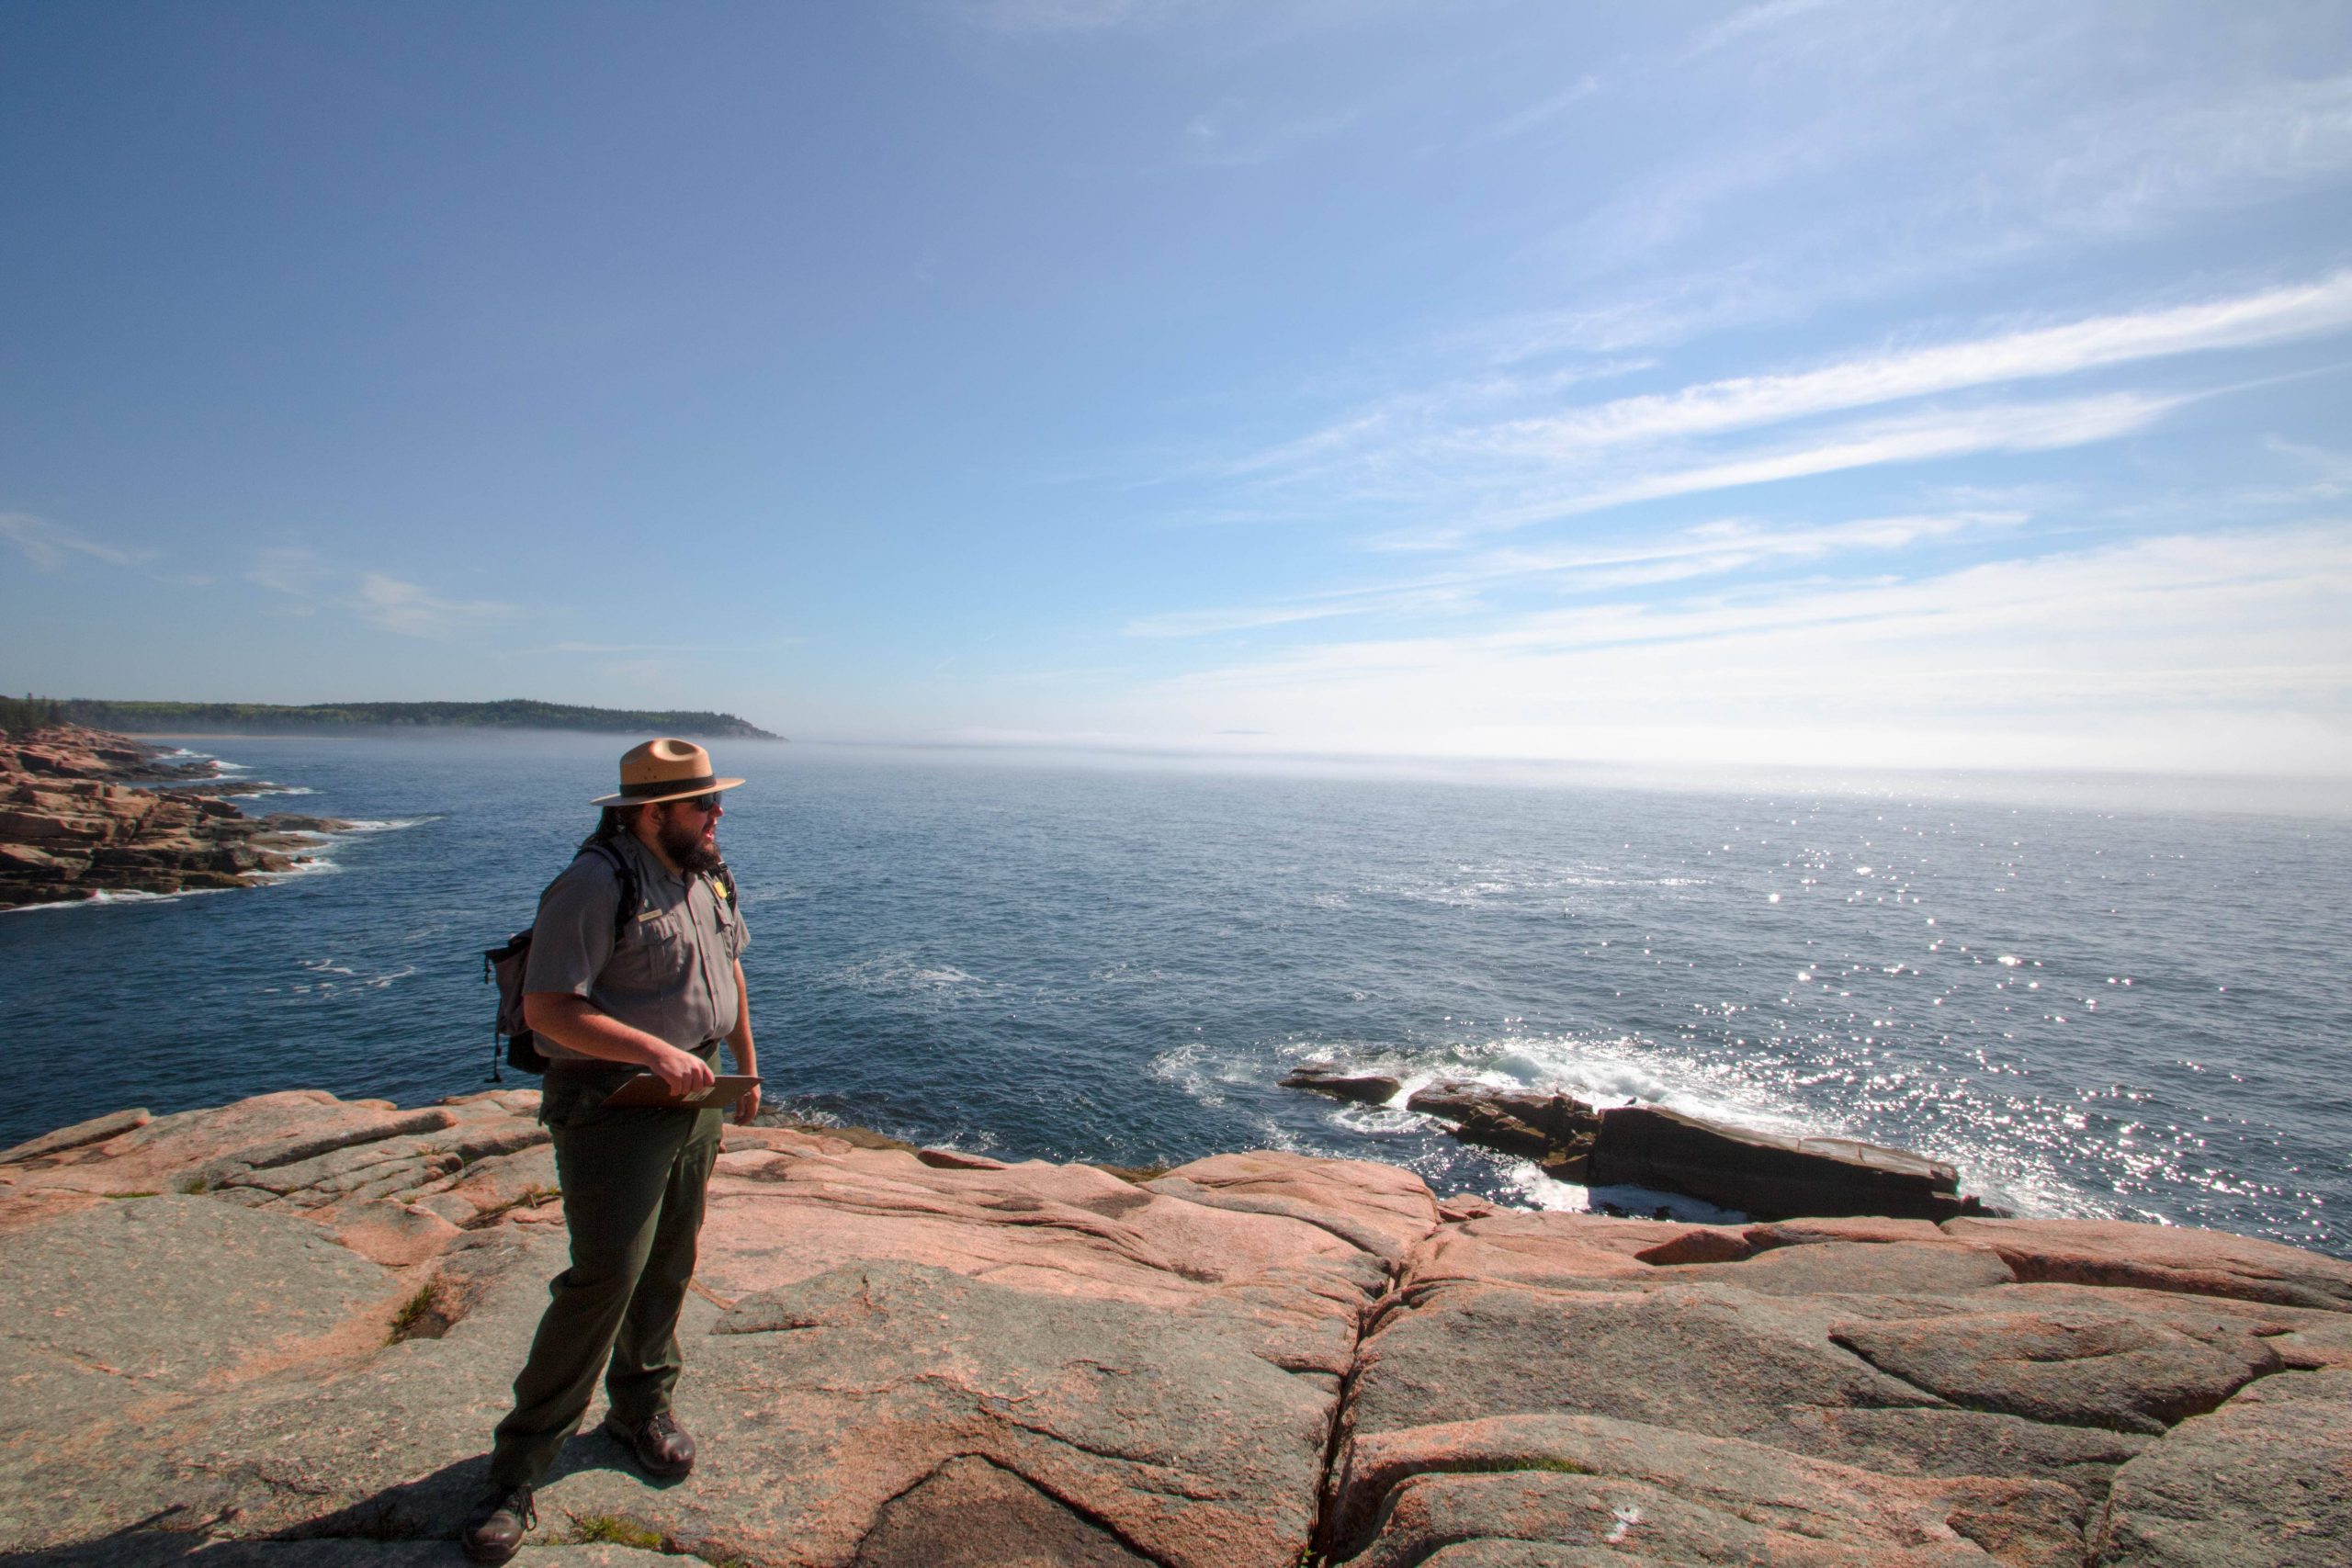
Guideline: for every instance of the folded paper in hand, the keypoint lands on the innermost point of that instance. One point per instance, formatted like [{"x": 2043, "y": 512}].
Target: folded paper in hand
[{"x": 646, "y": 1088}]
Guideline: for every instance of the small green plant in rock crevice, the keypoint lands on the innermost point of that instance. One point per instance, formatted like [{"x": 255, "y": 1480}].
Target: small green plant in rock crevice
[
  {"x": 1523, "y": 1462},
  {"x": 611, "y": 1529},
  {"x": 422, "y": 1316}
]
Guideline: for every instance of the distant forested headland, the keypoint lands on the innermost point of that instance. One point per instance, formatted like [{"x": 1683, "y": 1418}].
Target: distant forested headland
[{"x": 20, "y": 714}]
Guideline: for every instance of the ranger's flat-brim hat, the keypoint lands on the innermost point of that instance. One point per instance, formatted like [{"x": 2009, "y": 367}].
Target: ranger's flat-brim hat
[{"x": 664, "y": 770}]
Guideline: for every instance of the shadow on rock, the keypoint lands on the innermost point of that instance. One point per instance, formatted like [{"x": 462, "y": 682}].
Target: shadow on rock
[{"x": 415, "y": 1522}]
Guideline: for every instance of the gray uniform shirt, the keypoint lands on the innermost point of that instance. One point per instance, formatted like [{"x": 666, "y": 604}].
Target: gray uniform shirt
[{"x": 672, "y": 973}]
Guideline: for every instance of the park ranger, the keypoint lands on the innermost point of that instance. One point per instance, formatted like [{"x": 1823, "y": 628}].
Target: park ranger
[{"x": 659, "y": 994}]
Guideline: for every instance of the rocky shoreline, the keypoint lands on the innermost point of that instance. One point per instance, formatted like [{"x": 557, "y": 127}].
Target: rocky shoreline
[
  {"x": 74, "y": 821},
  {"x": 279, "y": 1331}
]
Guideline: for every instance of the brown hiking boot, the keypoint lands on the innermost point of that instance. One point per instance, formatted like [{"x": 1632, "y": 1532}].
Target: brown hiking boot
[
  {"x": 495, "y": 1528},
  {"x": 661, "y": 1445}
]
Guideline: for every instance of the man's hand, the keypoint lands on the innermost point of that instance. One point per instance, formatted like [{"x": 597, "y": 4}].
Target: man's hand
[
  {"x": 747, "y": 1107},
  {"x": 681, "y": 1072},
  {"x": 572, "y": 1021}
]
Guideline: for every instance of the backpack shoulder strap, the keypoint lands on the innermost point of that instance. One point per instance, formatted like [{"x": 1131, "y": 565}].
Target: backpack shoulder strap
[{"x": 625, "y": 907}]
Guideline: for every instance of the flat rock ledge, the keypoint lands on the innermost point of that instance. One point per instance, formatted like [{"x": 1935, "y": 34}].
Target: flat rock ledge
[{"x": 279, "y": 1331}]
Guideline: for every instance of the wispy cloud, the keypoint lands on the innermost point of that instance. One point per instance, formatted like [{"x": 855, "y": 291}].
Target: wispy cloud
[
  {"x": 2273, "y": 316},
  {"x": 1430, "y": 432},
  {"x": 1731, "y": 544},
  {"x": 1440, "y": 453},
  {"x": 1233, "y": 134},
  {"x": 310, "y": 585},
  {"x": 289, "y": 570},
  {"x": 2189, "y": 153},
  {"x": 1541, "y": 112},
  {"x": 2328, "y": 475},
  {"x": 405, "y": 607},
  {"x": 1981, "y": 140},
  {"x": 1418, "y": 414},
  {"x": 1409, "y": 599},
  {"x": 2167, "y": 641},
  {"x": 1709, "y": 549},
  {"x": 1910, "y": 438},
  {"x": 49, "y": 546},
  {"x": 1750, "y": 19},
  {"x": 1649, "y": 315}
]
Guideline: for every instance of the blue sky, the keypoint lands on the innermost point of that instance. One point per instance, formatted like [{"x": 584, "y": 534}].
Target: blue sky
[{"x": 1871, "y": 384}]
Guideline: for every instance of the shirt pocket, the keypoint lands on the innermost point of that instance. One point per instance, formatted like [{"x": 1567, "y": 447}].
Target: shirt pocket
[{"x": 655, "y": 952}]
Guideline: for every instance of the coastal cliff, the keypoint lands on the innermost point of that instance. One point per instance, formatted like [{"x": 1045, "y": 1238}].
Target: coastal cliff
[
  {"x": 76, "y": 821},
  {"x": 279, "y": 1332}
]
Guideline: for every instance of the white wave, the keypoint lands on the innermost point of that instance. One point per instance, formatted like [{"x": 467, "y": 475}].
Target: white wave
[
  {"x": 280, "y": 789},
  {"x": 304, "y": 865},
  {"x": 1565, "y": 1197},
  {"x": 1378, "y": 1120},
  {"x": 1451, "y": 895},
  {"x": 382, "y": 824},
  {"x": 1602, "y": 1073},
  {"x": 897, "y": 974},
  {"x": 336, "y": 978},
  {"x": 968, "y": 1141},
  {"x": 1616, "y": 1071},
  {"x": 1185, "y": 1067},
  {"x": 105, "y": 896}
]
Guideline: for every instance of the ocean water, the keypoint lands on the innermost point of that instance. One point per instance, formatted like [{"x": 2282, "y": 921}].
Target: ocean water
[{"x": 2095, "y": 997}]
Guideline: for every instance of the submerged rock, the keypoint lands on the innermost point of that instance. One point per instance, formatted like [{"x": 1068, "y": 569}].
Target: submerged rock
[
  {"x": 1766, "y": 1175},
  {"x": 280, "y": 1331},
  {"x": 1769, "y": 1174},
  {"x": 1553, "y": 1130},
  {"x": 1371, "y": 1089}
]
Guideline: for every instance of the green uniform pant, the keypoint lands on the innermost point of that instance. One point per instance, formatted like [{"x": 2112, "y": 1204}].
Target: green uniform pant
[{"x": 633, "y": 1184}]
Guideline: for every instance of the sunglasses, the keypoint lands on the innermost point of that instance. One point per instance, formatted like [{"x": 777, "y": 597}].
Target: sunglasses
[{"x": 703, "y": 803}]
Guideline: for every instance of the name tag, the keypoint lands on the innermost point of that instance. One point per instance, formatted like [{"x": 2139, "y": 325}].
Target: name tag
[{"x": 649, "y": 916}]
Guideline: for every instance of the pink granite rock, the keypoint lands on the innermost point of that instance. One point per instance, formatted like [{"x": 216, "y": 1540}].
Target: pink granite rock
[
  {"x": 2163, "y": 1257},
  {"x": 2265, "y": 1481},
  {"x": 1657, "y": 1495},
  {"x": 894, "y": 1362},
  {"x": 2071, "y": 1369},
  {"x": 776, "y": 1219}
]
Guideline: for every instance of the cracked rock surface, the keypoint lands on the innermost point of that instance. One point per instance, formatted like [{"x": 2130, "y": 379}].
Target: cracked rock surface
[{"x": 279, "y": 1332}]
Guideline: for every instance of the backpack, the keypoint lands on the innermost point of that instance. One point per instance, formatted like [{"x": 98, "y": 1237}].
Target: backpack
[{"x": 504, "y": 965}]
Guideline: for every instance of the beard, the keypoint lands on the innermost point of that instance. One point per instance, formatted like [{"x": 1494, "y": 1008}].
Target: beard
[{"x": 685, "y": 846}]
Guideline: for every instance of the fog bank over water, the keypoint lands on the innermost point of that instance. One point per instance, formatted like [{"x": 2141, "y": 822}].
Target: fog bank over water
[{"x": 2114, "y": 790}]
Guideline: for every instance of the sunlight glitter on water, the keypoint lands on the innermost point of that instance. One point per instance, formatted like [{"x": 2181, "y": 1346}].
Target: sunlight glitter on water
[{"x": 1119, "y": 964}]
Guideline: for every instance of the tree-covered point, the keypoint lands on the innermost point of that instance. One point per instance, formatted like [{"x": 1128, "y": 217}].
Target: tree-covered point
[
  {"x": 512, "y": 713},
  {"x": 22, "y": 716}
]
